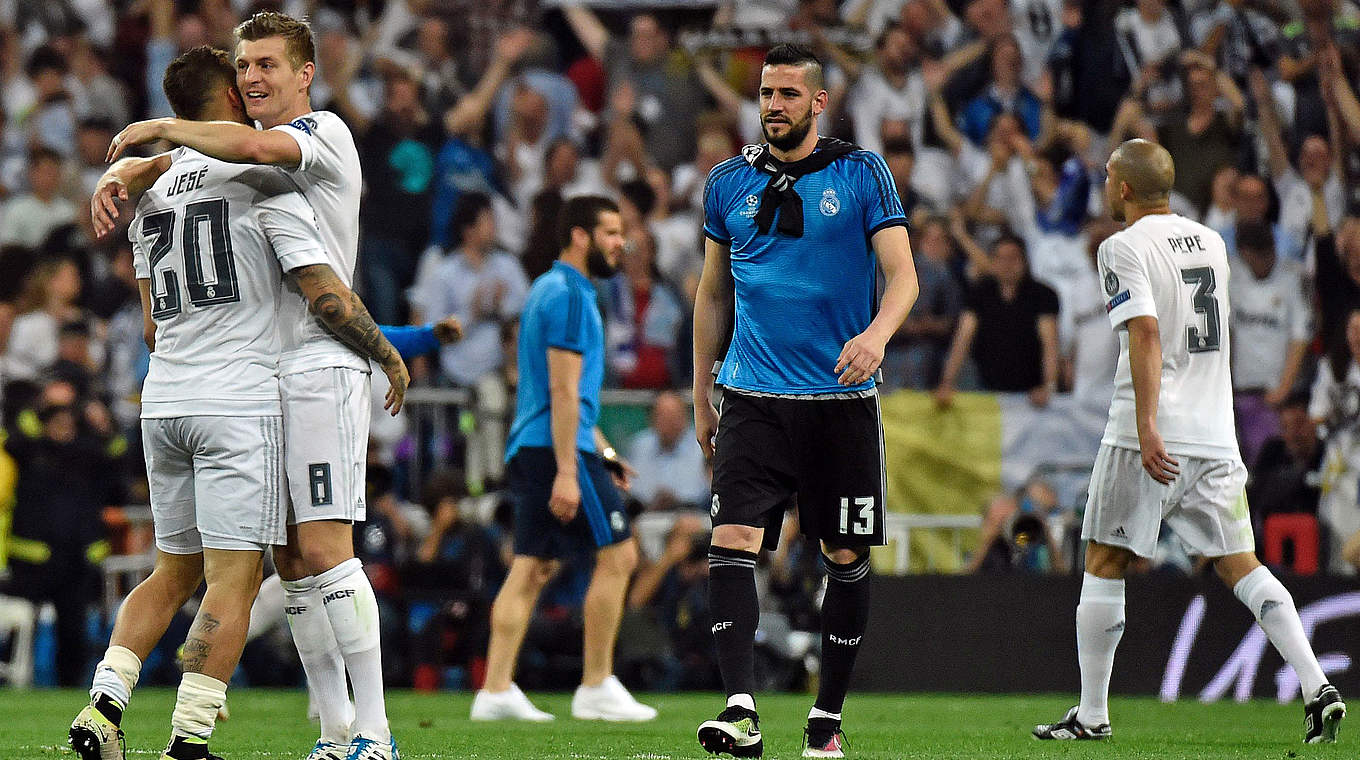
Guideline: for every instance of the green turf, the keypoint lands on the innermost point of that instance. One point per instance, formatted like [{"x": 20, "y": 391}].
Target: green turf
[{"x": 271, "y": 724}]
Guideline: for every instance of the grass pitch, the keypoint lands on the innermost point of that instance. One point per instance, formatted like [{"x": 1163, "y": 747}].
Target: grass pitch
[{"x": 268, "y": 724}]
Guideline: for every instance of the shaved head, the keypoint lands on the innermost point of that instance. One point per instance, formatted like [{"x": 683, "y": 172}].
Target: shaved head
[{"x": 1141, "y": 173}]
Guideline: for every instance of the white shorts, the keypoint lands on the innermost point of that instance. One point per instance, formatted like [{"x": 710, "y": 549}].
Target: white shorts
[
  {"x": 1205, "y": 505},
  {"x": 325, "y": 423},
  {"x": 215, "y": 482}
]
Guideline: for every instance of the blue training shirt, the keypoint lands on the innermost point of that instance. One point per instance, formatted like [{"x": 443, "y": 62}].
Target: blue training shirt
[
  {"x": 798, "y": 300},
  {"x": 560, "y": 312}
]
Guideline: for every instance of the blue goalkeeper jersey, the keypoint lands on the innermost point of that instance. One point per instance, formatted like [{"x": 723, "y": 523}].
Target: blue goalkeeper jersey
[{"x": 799, "y": 299}]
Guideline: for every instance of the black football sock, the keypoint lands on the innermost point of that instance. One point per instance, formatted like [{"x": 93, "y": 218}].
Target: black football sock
[
  {"x": 845, "y": 612},
  {"x": 188, "y": 748},
  {"x": 735, "y": 611}
]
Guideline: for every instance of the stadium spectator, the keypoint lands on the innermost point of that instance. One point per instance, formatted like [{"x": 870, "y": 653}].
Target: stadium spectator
[
  {"x": 27, "y": 219},
  {"x": 1316, "y": 174},
  {"x": 1090, "y": 350},
  {"x": 1287, "y": 474},
  {"x": 465, "y": 163},
  {"x": 58, "y": 536},
  {"x": 1333, "y": 407},
  {"x": 643, "y": 317},
  {"x": 484, "y": 287},
  {"x": 670, "y": 473},
  {"x": 671, "y": 594},
  {"x": 1150, "y": 40},
  {"x": 892, "y": 89},
  {"x": 1221, "y": 215},
  {"x": 650, "y": 80},
  {"x": 1016, "y": 536},
  {"x": 1009, "y": 326},
  {"x": 52, "y": 121},
  {"x": 1236, "y": 38},
  {"x": 458, "y": 569},
  {"x": 1271, "y": 327},
  {"x": 397, "y": 152},
  {"x": 916, "y": 353},
  {"x": 1004, "y": 93},
  {"x": 1336, "y": 278},
  {"x": 900, "y": 157},
  {"x": 1202, "y": 136},
  {"x": 49, "y": 300}
]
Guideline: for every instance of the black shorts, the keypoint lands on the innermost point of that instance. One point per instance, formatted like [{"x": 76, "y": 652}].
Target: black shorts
[
  {"x": 828, "y": 453},
  {"x": 600, "y": 521}
]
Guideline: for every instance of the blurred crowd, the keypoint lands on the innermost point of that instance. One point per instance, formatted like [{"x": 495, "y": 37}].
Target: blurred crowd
[{"x": 474, "y": 120}]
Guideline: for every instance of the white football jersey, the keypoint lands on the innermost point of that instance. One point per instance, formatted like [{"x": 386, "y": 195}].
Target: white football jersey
[
  {"x": 1175, "y": 269},
  {"x": 1267, "y": 315},
  {"x": 213, "y": 239},
  {"x": 331, "y": 180}
]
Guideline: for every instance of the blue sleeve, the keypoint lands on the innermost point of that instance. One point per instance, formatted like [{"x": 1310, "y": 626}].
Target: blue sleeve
[
  {"x": 715, "y": 225},
  {"x": 564, "y": 315},
  {"x": 411, "y": 341},
  {"x": 882, "y": 205}
]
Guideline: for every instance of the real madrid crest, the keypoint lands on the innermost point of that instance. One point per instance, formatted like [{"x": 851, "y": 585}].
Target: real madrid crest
[{"x": 830, "y": 205}]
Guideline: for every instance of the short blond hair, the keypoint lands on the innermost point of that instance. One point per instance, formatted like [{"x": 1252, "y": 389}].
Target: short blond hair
[{"x": 296, "y": 34}]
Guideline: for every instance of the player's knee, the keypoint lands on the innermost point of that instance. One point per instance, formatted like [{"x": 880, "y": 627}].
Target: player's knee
[
  {"x": 844, "y": 555},
  {"x": 619, "y": 560},
  {"x": 538, "y": 571},
  {"x": 178, "y": 584},
  {"x": 320, "y": 556},
  {"x": 740, "y": 537},
  {"x": 1107, "y": 561}
]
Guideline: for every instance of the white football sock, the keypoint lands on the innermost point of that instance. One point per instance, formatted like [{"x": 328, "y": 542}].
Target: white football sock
[
  {"x": 1100, "y": 625},
  {"x": 742, "y": 700},
  {"x": 320, "y": 655},
  {"x": 267, "y": 611},
  {"x": 1274, "y": 609},
  {"x": 116, "y": 675},
  {"x": 196, "y": 705},
  {"x": 817, "y": 712},
  {"x": 353, "y": 611}
]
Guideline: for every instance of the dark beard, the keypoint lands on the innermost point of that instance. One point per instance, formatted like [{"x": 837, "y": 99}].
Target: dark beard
[
  {"x": 798, "y": 130},
  {"x": 597, "y": 264}
]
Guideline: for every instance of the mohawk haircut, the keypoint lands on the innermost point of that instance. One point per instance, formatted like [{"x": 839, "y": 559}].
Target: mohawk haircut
[{"x": 789, "y": 54}]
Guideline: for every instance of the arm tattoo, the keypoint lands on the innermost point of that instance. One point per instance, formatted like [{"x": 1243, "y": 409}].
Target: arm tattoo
[{"x": 344, "y": 315}]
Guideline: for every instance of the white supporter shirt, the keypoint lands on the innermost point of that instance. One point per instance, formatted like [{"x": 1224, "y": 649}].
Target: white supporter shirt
[
  {"x": 1296, "y": 208},
  {"x": 1175, "y": 269},
  {"x": 331, "y": 180},
  {"x": 214, "y": 239},
  {"x": 1037, "y": 25},
  {"x": 1085, "y": 336},
  {"x": 1267, "y": 315}
]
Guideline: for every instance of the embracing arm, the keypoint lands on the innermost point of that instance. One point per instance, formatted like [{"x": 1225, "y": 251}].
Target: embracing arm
[
  {"x": 223, "y": 140},
  {"x": 341, "y": 311},
  {"x": 125, "y": 180}
]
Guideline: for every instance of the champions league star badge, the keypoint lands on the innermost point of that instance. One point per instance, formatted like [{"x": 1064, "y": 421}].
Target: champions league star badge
[
  {"x": 1111, "y": 282},
  {"x": 830, "y": 205}
]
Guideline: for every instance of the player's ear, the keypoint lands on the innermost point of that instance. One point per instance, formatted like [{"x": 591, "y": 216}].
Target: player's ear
[
  {"x": 308, "y": 72},
  {"x": 819, "y": 102}
]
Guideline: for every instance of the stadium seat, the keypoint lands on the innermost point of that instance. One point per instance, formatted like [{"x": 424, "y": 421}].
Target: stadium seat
[
  {"x": 1300, "y": 530},
  {"x": 17, "y": 617}
]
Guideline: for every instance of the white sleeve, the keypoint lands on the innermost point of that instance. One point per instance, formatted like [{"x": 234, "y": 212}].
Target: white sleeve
[
  {"x": 1300, "y": 316},
  {"x": 1128, "y": 293},
  {"x": 289, "y": 223},
  {"x": 141, "y": 267},
  {"x": 866, "y": 112},
  {"x": 1320, "y": 401},
  {"x": 516, "y": 288},
  {"x": 319, "y": 156}
]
